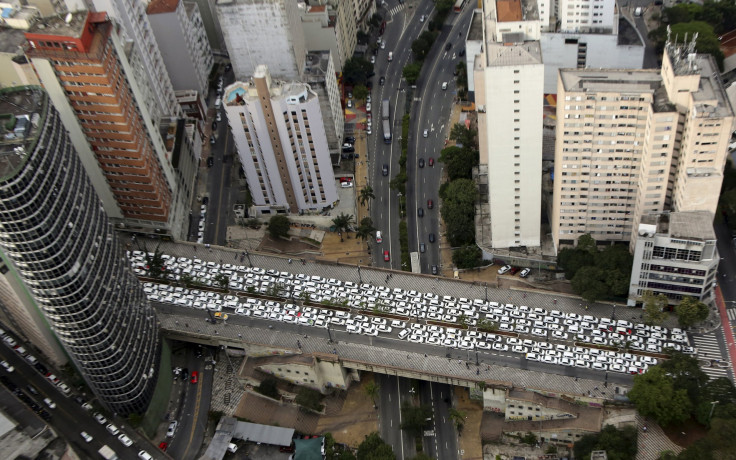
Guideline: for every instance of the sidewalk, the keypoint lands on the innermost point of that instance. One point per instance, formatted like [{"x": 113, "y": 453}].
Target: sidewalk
[{"x": 728, "y": 332}]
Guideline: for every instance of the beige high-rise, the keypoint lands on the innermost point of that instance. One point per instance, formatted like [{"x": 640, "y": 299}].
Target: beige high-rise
[{"x": 635, "y": 142}]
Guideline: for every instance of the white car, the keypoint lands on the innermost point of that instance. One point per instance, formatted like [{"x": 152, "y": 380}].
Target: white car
[
  {"x": 498, "y": 346},
  {"x": 172, "y": 429},
  {"x": 504, "y": 269},
  {"x": 86, "y": 437},
  {"x": 100, "y": 418},
  {"x": 127, "y": 442},
  {"x": 6, "y": 365},
  {"x": 50, "y": 403}
]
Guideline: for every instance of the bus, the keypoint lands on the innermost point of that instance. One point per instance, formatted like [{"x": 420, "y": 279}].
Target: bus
[
  {"x": 386, "y": 120},
  {"x": 415, "y": 267},
  {"x": 459, "y": 6}
]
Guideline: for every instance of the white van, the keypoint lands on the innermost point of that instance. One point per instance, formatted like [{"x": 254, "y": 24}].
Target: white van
[
  {"x": 218, "y": 103},
  {"x": 390, "y": 56},
  {"x": 637, "y": 11},
  {"x": 232, "y": 448},
  {"x": 379, "y": 238}
]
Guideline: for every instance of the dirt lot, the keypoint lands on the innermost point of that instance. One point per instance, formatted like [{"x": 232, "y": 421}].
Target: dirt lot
[
  {"x": 356, "y": 418},
  {"x": 470, "y": 442}
]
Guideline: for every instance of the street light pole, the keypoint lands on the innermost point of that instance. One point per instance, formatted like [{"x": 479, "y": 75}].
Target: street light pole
[{"x": 712, "y": 406}]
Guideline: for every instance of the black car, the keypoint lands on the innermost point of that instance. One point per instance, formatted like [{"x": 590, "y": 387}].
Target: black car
[
  {"x": 461, "y": 53},
  {"x": 348, "y": 149},
  {"x": 434, "y": 269},
  {"x": 448, "y": 46},
  {"x": 205, "y": 200},
  {"x": 185, "y": 373},
  {"x": 350, "y": 140},
  {"x": 420, "y": 212},
  {"x": 210, "y": 162},
  {"x": 421, "y": 162},
  {"x": 385, "y": 169},
  {"x": 214, "y": 125},
  {"x": 41, "y": 368},
  {"x": 431, "y": 237},
  {"x": 381, "y": 81}
]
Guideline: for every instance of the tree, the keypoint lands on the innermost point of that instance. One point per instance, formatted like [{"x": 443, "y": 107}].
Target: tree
[
  {"x": 685, "y": 374},
  {"x": 342, "y": 222},
  {"x": 278, "y": 226},
  {"x": 619, "y": 444},
  {"x": 486, "y": 325},
  {"x": 590, "y": 283},
  {"x": 707, "y": 42},
  {"x": 222, "y": 280},
  {"x": 356, "y": 70},
  {"x": 463, "y": 136},
  {"x": 654, "y": 306},
  {"x": 421, "y": 46},
  {"x": 458, "y": 418},
  {"x": 155, "y": 264},
  {"x": 268, "y": 388},
  {"x": 467, "y": 257},
  {"x": 690, "y": 311},
  {"x": 366, "y": 194},
  {"x": 372, "y": 389},
  {"x": 375, "y": 448},
  {"x": 365, "y": 229},
  {"x": 655, "y": 396},
  {"x": 360, "y": 92},
  {"x": 309, "y": 398},
  {"x": 414, "y": 418},
  {"x": 411, "y": 71},
  {"x": 459, "y": 162}
]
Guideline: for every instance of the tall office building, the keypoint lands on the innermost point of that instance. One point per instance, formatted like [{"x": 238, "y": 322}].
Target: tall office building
[
  {"x": 637, "y": 142},
  {"x": 509, "y": 80},
  {"x": 263, "y": 32},
  {"x": 280, "y": 137},
  {"x": 182, "y": 41},
  {"x": 81, "y": 63},
  {"x": 146, "y": 64},
  {"x": 56, "y": 238}
]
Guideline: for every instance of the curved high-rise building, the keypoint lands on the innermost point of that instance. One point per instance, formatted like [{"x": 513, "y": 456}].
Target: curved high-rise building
[{"x": 55, "y": 235}]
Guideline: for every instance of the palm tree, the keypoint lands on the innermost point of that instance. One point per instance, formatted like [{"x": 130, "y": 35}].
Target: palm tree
[
  {"x": 458, "y": 418},
  {"x": 366, "y": 193},
  {"x": 371, "y": 390},
  {"x": 342, "y": 222},
  {"x": 365, "y": 229}
]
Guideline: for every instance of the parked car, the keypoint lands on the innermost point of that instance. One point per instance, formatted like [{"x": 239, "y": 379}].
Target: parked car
[
  {"x": 525, "y": 272},
  {"x": 505, "y": 269},
  {"x": 386, "y": 256}
]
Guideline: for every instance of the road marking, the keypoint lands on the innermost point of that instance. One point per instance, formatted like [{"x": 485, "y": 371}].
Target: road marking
[{"x": 731, "y": 313}]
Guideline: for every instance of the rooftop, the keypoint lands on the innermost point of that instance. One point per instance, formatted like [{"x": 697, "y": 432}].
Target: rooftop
[
  {"x": 476, "y": 26},
  {"x": 508, "y": 10},
  {"x": 11, "y": 40},
  {"x": 690, "y": 225},
  {"x": 162, "y": 6},
  {"x": 526, "y": 53},
  {"x": 610, "y": 80},
  {"x": 70, "y": 25},
  {"x": 20, "y": 110}
]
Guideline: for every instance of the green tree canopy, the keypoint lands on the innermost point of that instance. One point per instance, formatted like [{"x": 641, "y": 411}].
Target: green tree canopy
[
  {"x": 464, "y": 136},
  {"x": 414, "y": 418},
  {"x": 155, "y": 263},
  {"x": 309, "y": 398},
  {"x": 356, "y": 70},
  {"x": 655, "y": 396},
  {"x": 366, "y": 194},
  {"x": 411, "y": 71},
  {"x": 467, "y": 257},
  {"x": 596, "y": 274},
  {"x": 374, "y": 448},
  {"x": 360, "y": 92},
  {"x": 654, "y": 306},
  {"x": 421, "y": 46},
  {"x": 278, "y": 226},
  {"x": 458, "y": 211},
  {"x": 619, "y": 444},
  {"x": 459, "y": 162},
  {"x": 591, "y": 283},
  {"x": 690, "y": 311},
  {"x": 365, "y": 229},
  {"x": 707, "y": 41}
]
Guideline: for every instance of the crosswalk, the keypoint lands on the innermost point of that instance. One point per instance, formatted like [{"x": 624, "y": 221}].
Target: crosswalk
[
  {"x": 396, "y": 10},
  {"x": 709, "y": 348},
  {"x": 731, "y": 313}
]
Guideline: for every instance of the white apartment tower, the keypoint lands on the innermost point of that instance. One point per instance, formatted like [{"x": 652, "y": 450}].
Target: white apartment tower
[
  {"x": 638, "y": 142},
  {"x": 263, "y": 32},
  {"x": 587, "y": 15},
  {"x": 145, "y": 58},
  {"x": 280, "y": 137},
  {"x": 182, "y": 40},
  {"x": 509, "y": 81}
]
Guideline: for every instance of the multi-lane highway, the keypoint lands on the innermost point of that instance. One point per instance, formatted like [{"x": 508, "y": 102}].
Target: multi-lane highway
[{"x": 430, "y": 110}]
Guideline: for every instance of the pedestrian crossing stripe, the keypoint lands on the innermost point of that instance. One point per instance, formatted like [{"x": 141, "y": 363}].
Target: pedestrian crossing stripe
[{"x": 731, "y": 313}]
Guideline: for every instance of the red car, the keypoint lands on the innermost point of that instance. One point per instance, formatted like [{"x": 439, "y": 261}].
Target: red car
[
  {"x": 431, "y": 161},
  {"x": 430, "y": 204},
  {"x": 386, "y": 256},
  {"x": 195, "y": 377},
  {"x": 163, "y": 446}
]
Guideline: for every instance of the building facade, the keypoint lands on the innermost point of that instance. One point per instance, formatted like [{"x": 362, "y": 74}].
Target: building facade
[
  {"x": 330, "y": 27},
  {"x": 675, "y": 255},
  {"x": 599, "y": 16},
  {"x": 509, "y": 80},
  {"x": 263, "y": 32},
  {"x": 280, "y": 137},
  {"x": 56, "y": 238},
  {"x": 146, "y": 64},
  {"x": 637, "y": 142},
  {"x": 82, "y": 66},
  {"x": 182, "y": 41}
]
